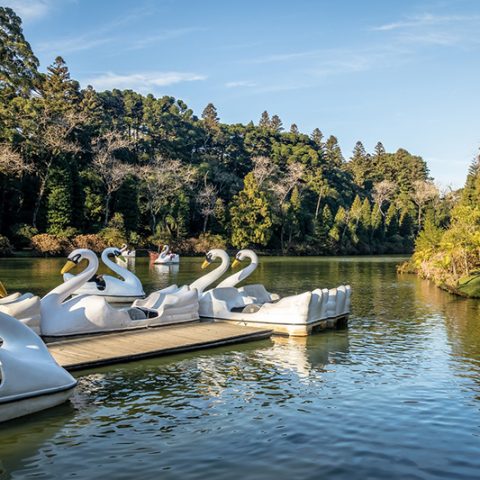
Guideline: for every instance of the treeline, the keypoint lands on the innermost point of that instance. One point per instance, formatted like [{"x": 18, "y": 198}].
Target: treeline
[
  {"x": 450, "y": 256},
  {"x": 121, "y": 166}
]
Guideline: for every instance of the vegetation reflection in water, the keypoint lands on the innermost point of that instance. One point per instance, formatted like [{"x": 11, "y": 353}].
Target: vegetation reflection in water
[{"x": 393, "y": 396}]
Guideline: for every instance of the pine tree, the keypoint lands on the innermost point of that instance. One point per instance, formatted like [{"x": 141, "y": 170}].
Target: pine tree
[
  {"x": 210, "y": 117},
  {"x": 391, "y": 221},
  {"x": 264, "y": 120},
  {"x": 59, "y": 202},
  {"x": 317, "y": 137},
  {"x": 276, "y": 124},
  {"x": 377, "y": 223},
  {"x": 365, "y": 222},
  {"x": 471, "y": 191},
  {"x": 251, "y": 220},
  {"x": 59, "y": 92},
  {"x": 294, "y": 129},
  {"x": 354, "y": 219},
  {"x": 18, "y": 64},
  {"x": 333, "y": 153}
]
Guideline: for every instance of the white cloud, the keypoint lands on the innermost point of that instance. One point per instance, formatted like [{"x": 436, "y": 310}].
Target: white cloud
[
  {"x": 240, "y": 84},
  {"x": 29, "y": 9},
  {"x": 425, "y": 20},
  {"x": 143, "y": 82}
]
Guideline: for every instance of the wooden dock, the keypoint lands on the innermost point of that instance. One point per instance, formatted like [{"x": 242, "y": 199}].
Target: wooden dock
[{"x": 98, "y": 350}]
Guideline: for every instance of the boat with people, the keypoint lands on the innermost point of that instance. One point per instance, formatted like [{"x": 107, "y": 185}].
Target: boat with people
[
  {"x": 164, "y": 257},
  {"x": 30, "y": 379},
  {"x": 125, "y": 289},
  {"x": 253, "y": 305},
  {"x": 87, "y": 314}
]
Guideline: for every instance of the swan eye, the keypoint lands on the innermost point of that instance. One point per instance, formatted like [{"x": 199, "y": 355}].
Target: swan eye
[
  {"x": 76, "y": 258},
  {"x": 117, "y": 253}
]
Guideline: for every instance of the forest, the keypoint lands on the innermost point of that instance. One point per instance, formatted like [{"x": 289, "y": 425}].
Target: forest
[
  {"x": 85, "y": 168},
  {"x": 450, "y": 256}
]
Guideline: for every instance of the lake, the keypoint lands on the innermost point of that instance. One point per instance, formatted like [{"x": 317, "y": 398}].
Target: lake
[{"x": 395, "y": 395}]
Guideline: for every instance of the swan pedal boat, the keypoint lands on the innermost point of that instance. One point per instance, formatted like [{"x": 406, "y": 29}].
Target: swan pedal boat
[
  {"x": 24, "y": 307},
  {"x": 125, "y": 252},
  {"x": 253, "y": 305},
  {"x": 90, "y": 314},
  {"x": 164, "y": 257},
  {"x": 30, "y": 379},
  {"x": 115, "y": 290}
]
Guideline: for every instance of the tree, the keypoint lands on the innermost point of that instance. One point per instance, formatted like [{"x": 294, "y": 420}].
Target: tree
[
  {"x": 333, "y": 153},
  {"x": 382, "y": 192},
  {"x": 276, "y": 124},
  {"x": 264, "y": 120},
  {"x": 423, "y": 193},
  {"x": 111, "y": 170},
  {"x": 320, "y": 186},
  {"x": 294, "y": 129},
  {"x": 317, "y": 137},
  {"x": 18, "y": 64},
  {"x": 162, "y": 182},
  {"x": 210, "y": 117},
  {"x": 207, "y": 199},
  {"x": 251, "y": 220}
]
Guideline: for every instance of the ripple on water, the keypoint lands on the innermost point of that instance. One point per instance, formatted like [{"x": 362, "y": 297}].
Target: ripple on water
[{"x": 394, "y": 396}]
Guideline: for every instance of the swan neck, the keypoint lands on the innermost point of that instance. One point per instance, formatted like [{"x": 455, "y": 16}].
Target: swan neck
[
  {"x": 114, "y": 267},
  {"x": 241, "y": 275},
  {"x": 64, "y": 290},
  {"x": 206, "y": 280}
]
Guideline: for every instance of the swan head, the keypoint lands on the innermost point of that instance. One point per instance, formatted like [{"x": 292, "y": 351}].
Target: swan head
[
  {"x": 242, "y": 255},
  {"x": 116, "y": 252},
  {"x": 213, "y": 255},
  {"x": 3, "y": 290},
  {"x": 76, "y": 257}
]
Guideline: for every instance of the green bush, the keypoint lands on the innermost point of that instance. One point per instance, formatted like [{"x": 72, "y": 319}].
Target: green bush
[
  {"x": 22, "y": 235},
  {"x": 5, "y": 246}
]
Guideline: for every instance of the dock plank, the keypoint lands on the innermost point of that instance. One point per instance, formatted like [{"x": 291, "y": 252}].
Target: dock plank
[{"x": 98, "y": 350}]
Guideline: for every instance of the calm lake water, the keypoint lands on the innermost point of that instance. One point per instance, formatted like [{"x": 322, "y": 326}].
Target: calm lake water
[{"x": 396, "y": 395}]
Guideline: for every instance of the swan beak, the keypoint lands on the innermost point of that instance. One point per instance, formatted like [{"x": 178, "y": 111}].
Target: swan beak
[
  {"x": 67, "y": 267},
  {"x": 205, "y": 264},
  {"x": 3, "y": 290},
  {"x": 235, "y": 263}
]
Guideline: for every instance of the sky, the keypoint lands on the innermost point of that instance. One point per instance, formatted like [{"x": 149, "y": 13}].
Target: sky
[{"x": 406, "y": 73}]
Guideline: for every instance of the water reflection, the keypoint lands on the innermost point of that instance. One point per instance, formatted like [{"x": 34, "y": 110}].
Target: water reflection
[
  {"x": 393, "y": 396},
  {"x": 25, "y": 441}
]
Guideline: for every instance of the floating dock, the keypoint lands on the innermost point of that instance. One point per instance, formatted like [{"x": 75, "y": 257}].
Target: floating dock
[{"x": 105, "y": 349}]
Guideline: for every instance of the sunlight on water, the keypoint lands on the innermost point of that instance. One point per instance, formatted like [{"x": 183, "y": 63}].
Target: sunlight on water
[{"x": 396, "y": 395}]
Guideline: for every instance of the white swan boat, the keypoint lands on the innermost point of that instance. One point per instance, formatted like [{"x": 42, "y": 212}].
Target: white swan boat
[
  {"x": 115, "y": 290},
  {"x": 296, "y": 315},
  {"x": 24, "y": 307},
  {"x": 86, "y": 314},
  {"x": 30, "y": 379},
  {"x": 165, "y": 257},
  {"x": 125, "y": 252}
]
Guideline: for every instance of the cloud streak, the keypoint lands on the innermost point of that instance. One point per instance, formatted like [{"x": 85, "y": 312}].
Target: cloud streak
[
  {"x": 426, "y": 20},
  {"x": 143, "y": 82},
  {"x": 240, "y": 84},
  {"x": 29, "y": 9}
]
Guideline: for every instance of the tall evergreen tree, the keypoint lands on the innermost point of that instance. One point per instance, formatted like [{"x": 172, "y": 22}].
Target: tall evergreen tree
[
  {"x": 276, "y": 124},
  {"x": 264, "y": 120},
  {"x": 210, "y": 117},
  {"x": 251, "y": 220}
]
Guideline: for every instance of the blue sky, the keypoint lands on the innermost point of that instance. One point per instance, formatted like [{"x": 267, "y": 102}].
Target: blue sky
[{"x": 403, "y": 72}]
